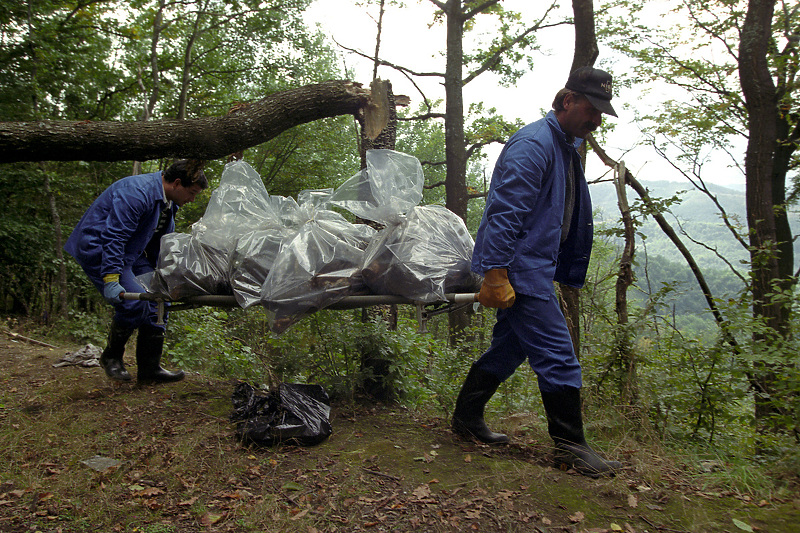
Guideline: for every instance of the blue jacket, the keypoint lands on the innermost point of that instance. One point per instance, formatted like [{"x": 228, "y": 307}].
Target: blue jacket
[
  {"x": 114, "y": 232},
  {"x": 521, "y": 225}
]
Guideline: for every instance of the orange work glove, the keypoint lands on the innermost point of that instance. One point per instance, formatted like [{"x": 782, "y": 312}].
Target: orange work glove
[{"x": 496, "y": 290}]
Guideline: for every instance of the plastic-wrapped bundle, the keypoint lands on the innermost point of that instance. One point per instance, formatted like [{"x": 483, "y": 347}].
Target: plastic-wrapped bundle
[
  {"x": 256, "y": 251},
  {"x": 423, "y": 257},
  {"x": 251, "y": 262},
  {"x": 240, "y": 203},
  {"x": 423, "y": 252},
  {"x": 196, "y": 264},
  {"x": 187, "y": 267},
  {"x": 389, "y": 187},
  {"x": 315, "y": 268}
]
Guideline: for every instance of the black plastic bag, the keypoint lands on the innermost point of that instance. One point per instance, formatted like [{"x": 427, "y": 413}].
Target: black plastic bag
[{"x": 294, "y": 413}]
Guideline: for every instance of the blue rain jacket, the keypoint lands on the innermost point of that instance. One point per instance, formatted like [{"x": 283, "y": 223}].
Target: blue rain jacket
[
  {"x": 521, "y": 225},
  {"x": 117, "y": 227}
]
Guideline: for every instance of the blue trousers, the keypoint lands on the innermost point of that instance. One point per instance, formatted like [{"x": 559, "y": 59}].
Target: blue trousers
[
  {"x": 533, "y": 329},
  {"x": 130, "y": 313}
]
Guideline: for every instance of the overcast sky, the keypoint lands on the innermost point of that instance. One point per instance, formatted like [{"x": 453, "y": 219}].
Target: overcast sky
[{"x": 409, "y": 40}]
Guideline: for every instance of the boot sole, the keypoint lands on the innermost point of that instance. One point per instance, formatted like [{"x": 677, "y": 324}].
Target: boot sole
[
  {"x": 566, "y": 465},
  {"x": 464, "y": 432},
  {"x": 120, "y": 378},
  {"x": 152, "y": 381},
  {"x": 116, "y": 377}
]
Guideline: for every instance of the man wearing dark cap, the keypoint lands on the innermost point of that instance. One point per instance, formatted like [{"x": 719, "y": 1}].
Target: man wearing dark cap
[{"x": 537, "y": 229}]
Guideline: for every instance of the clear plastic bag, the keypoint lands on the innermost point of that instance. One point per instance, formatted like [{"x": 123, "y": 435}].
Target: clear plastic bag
[
  {"x": 187, "y": 267},
  {"x": 240, "y": 203},
  {"x": 388, "y": 188},
  {"x": 199, "y": 263},
  {"x": 317, "y": 267},
  {"x": 423, "y": 257},
  {"x": 422, "y": 252},
  {"x": 251, "y": 261}
]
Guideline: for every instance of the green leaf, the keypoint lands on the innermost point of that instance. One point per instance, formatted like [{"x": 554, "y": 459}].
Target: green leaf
[{"x": 741, "y": 525}]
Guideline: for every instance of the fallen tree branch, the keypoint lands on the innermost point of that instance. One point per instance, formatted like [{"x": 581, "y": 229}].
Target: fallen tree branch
[{"x": 201, "y": 138}]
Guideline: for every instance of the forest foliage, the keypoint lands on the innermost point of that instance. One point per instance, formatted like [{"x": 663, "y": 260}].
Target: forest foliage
[{"x": 151, "y": 59}]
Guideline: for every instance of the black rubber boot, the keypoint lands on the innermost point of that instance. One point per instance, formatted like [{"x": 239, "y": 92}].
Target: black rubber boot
[
  {"x": 478, "y": 388},
  {"x": 149, "y": 345},
  {"x": 111, "y": 358},
  {"x": 565, "y": 424}
]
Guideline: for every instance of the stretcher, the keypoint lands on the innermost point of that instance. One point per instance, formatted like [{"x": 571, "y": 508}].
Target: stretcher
[{"x": 452, "y": 302}]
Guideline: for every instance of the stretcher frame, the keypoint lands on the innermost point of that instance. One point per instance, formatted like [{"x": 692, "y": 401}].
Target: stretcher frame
[{"x": 452, "y": 302}]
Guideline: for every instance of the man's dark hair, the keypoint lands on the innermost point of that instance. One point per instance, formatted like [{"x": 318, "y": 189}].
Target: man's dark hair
[
  {"x": 558, "y": 101},
  {"x": 189, "y": 171}
]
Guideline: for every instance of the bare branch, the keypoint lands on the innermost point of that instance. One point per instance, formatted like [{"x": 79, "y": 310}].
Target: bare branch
[
  {"x": 711, "y": 249},
  {"x": 670, "y": 233},
  {"x": 497, "y": 56},
  {"x": 479, "y": 9},
  {"x": 701, "y": 186},
  {"x": 388, "y": 64},
  {"x": 434, "y": 185}
]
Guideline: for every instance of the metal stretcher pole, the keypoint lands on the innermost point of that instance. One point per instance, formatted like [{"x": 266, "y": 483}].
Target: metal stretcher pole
[{"x": 349, "y": 302}]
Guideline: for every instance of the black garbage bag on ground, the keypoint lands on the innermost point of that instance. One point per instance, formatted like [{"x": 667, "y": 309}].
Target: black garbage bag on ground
[{"x": 294, "y": 413}]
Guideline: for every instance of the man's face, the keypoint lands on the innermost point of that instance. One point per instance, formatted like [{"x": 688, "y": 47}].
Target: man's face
[
  {"x": 579, "y": 117},
  {"x": 182, "y": 195}
]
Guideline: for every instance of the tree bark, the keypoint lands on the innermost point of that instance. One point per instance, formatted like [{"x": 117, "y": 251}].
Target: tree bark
[
  {"x": 586, "y": 50},
  {"x": 455, "y": 151},
  {"x": 201, "y": 138},
  {"x": 764, "y": 198},
  {"x": 378, "y": 131},
  {"x": 570, "y": 299},
  {"x": 625, "y": 351},
  {"x": 456, "y": 194},
  {"x": 147, "y": 109},
  {"x": 61, "y": 306}
]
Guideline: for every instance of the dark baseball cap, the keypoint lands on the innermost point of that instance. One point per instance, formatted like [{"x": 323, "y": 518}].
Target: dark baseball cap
[{"x": 596, "y": 85}]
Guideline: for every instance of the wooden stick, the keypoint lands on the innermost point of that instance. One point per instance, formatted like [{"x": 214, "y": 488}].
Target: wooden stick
[{"x": 17, "y": 336}]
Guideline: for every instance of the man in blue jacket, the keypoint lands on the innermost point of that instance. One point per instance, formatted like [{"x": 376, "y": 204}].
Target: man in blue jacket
[
  {"x": 537, "y": 229},
  {"x": 117, "y": 239}
]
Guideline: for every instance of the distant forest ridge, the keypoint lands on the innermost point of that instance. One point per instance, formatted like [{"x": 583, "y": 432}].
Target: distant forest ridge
[{"x": 696, "y": 214}]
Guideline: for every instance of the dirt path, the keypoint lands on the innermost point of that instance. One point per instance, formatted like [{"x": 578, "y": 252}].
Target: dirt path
[{"x": 181, "y": 469}]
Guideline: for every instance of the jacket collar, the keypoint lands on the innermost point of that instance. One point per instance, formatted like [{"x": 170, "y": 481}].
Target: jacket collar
[{"x": 568, "y": 140}]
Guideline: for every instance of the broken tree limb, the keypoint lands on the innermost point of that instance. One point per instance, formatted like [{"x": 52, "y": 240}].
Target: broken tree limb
[{"x": 200, "y": 138}]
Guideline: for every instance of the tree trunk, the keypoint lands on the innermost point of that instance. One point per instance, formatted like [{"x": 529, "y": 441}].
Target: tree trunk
[
  {"x": 456, "y": 195},
  {"x": 586, "y": 50},
  {"x": 186, "y": 71},
  {"x": 585, "y": 54},
  {"x": 570, "y": 299},
  {"x": 764, "y": 197},
  {"x": 201, "y": 138},
  {"x": 625, "y": 352},
  {"x": 147, "y": 109},
  {"x": 378, "y": 131},
  {"x": 61, "y": 306}
]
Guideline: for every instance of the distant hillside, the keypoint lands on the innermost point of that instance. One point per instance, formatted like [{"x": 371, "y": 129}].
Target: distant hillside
[{"x": 697, "y": 215}]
